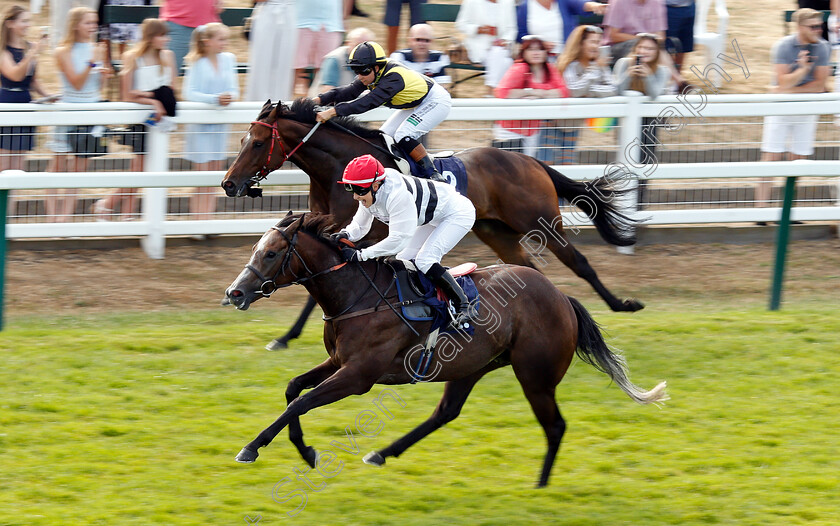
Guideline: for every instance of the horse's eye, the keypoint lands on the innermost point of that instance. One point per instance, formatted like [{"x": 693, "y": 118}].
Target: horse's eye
[
  {"x": 258, "y": 144},
  {"x": 271, "y": 254}
]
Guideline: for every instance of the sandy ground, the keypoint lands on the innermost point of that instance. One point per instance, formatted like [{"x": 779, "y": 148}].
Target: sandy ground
[{"x": 93, "y": 281}]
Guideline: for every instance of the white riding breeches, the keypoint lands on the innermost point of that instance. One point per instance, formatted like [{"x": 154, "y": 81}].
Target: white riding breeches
[
  {"x": 432, "y": 241},
  {"x": 418, "y": 121}
]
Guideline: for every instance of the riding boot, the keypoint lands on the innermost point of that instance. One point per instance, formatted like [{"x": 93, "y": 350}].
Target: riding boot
[
  {"x": 441, "y": 278},
  {"x": 428, "y": 170}
]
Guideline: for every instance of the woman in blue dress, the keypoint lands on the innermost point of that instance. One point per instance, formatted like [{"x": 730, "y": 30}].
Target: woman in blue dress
[
  {"x": 210, "y": 78},
  {"x": 17, "y": 77}
]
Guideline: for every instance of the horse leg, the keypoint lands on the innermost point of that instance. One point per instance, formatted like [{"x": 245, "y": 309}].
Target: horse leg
[
  {"x": 576, "y": 261},
  {"x": 559, "y": 245},
  {"x": 454, "y": 395},
  {"x": 503, "y": 240},
  {"x": 540, "y": 390},
  {"x": 345, "y": 382},
  {"x": 296, "y": 386},
  {"x": 294, "y": 332}
]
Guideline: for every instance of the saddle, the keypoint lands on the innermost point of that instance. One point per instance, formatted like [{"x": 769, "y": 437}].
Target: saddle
[{"x": 419, "y": 299}]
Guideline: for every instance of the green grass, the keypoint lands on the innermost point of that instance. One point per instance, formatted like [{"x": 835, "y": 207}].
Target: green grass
[{"x": 135, "y": 419}]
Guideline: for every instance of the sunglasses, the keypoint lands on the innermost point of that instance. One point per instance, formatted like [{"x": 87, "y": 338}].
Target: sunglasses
[
  {"x": 815, "y": 27},
  {"x": 593, "y": 29},
  {"x": 361, "y": 70},
  {"x": 426, "y": 40},
  {"x": 356, "y": 189}
]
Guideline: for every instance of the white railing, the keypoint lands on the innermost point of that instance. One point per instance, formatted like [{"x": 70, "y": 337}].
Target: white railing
[{"x": 154, "y": 226}]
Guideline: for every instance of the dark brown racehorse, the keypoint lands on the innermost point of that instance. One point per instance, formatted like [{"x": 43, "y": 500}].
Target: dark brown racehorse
[
  {"x": 524, "y": 322},
  {"x": 514, "y": 195}
]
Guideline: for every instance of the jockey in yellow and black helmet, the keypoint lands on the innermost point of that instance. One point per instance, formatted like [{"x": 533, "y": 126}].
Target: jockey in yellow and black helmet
[{"x": 423, "y": 103}]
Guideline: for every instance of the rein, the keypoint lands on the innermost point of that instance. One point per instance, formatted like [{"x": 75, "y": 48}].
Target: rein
[{"x": 269, "y": 285}]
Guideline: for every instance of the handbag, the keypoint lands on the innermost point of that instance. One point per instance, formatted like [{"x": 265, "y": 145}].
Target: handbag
[{"x": 84, "y": 144}]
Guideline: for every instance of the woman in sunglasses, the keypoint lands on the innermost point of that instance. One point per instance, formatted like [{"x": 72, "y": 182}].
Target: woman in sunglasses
[
  {"x": 425, "y": 221},
  {"x": 423, "y": 104}
]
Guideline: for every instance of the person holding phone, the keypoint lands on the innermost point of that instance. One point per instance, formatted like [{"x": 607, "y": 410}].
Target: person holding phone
[
  {"x": 18, "y": 59},
  {"x": 800, "y": 65},
  {"x": 584, "y": 65},
  {"x": 642, "y": 71}
]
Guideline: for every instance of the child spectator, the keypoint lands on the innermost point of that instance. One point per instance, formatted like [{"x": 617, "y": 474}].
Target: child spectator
[
  {"x": 18, "y": 60},
  {"x": 82, "y": 74},
  {"x": 530, "y": 77},
  {"x": 146, "y": 78},
  {"x": 210, "y": 78}
]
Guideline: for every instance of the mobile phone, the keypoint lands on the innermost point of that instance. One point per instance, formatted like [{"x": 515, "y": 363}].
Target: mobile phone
[
  {"x": 604, "y": 51},
  {"x": 811, "y": 49},
  {"x": 638, "y": 60}
]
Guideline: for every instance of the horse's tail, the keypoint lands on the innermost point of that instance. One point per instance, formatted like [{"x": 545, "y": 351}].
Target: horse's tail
[
  {"x": 592, "y": 349},
  {"x": 597, "y": 201}
]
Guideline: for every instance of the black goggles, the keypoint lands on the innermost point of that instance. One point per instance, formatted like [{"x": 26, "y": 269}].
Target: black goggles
[
  {"x": 361, "y": 70},
  {"x": 356, "y": 189}
]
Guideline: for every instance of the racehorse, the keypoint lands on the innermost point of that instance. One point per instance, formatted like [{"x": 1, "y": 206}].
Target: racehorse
[
  {"x": 535, "y": 328},
  {"x": 514, "y": 195}
]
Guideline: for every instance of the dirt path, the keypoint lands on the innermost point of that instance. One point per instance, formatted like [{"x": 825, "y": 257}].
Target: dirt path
[{"x": 92, "y": 281}]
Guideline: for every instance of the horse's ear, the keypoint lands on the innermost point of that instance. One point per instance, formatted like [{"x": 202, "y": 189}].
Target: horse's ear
[{"x": 290, "y": 213}]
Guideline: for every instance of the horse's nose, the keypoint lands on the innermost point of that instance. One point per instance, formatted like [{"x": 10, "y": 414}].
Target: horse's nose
[{"x": 229, "y": 188}]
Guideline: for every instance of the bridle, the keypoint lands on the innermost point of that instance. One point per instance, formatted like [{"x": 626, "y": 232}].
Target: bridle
[
  {"x": 275, "y": 138},
  {"x": 269, "y": 286}
]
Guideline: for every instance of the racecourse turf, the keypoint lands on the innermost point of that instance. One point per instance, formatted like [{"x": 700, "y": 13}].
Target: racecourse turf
[{"x": 134, "y": 419}]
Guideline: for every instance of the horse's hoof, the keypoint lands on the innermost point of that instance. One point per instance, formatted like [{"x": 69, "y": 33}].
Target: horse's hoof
[
  {"x": 632, "y": 305},
  {"x": 310, "y": 456},
  {"x": 276, "y": 345},
  {"x": 247, "y": 456},
  {"x": 374, "y": 458}
]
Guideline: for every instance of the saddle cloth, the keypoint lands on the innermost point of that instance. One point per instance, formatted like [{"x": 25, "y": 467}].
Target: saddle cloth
[
  {"x": 420, "y": 300},
  {"x": 449, "y": 166}
]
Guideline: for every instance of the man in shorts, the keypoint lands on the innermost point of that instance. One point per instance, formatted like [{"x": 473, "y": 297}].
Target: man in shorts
[{"x": 800, "y": 65}]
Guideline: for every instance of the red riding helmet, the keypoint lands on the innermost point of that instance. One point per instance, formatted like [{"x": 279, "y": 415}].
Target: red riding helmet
[{"x": 363, "y": 171}]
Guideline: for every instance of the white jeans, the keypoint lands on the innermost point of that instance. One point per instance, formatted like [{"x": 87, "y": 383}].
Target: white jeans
[
  {"x": 789, "y": 133},
  {"x": 423, "y": 117},
  {"x": 432, "y": 241}
]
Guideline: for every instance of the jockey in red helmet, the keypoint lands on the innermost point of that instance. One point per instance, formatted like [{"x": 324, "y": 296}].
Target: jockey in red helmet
[
  {"x": 422, "y": 102},
  {"x": 425, "y": 220}
]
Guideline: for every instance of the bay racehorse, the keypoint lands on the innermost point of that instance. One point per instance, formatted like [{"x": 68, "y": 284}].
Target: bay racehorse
[
  {"x": 523, "y": 321},
  {"x": 514, "y": 195}
]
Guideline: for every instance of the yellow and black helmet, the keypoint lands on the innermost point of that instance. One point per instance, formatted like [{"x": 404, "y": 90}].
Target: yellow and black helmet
[{"x": 367, "y": 54}]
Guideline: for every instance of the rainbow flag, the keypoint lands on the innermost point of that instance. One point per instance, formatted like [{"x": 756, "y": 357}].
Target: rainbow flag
[{"x": 602, "y": 124}]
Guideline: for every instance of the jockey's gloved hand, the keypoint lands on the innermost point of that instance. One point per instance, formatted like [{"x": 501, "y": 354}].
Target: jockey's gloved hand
[
  {"x": 338, "y": 236},
  {"x": 350, "y": 253}
]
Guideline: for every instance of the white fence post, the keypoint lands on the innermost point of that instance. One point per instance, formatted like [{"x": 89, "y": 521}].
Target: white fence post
[
  {"x": 629, "y": 142},
  {"x": 155, "y": 199}
]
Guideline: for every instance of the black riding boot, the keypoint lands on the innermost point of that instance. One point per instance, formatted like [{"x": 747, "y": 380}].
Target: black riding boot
[
  {"x": 428, "y": 170},
  {"x": 444, "y": 280}
]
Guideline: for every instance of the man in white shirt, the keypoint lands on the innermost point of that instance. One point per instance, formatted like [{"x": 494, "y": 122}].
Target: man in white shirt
[{"x": 421, "y": 58}]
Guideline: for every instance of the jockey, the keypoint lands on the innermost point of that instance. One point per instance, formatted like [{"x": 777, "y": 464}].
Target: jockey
[
  {"x": 425, "y": 220},
  {"x": 423, "y": 103}
]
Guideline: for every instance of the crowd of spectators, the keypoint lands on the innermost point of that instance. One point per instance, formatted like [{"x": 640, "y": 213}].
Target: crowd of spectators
[{"x": 529, "y": 49}]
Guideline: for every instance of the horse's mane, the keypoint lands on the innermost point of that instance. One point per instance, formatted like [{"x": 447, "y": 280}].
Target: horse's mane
[
  {"x": 314, "y": 223},
  {"x": 303, "y": 110}
]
